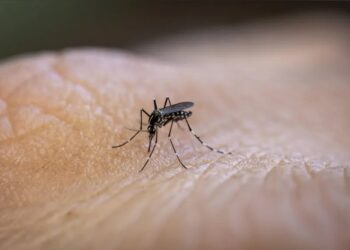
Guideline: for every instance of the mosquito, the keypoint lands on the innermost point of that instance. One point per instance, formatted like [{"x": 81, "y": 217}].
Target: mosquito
[{"x": 170, "y": 113}]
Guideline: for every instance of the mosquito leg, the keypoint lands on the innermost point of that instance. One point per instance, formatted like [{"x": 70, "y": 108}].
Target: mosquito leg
[
  {"x": 183, "y": 165},
  {"x": 137, "y": 132},
  {"x": 145, "y": 112},
  {"x": 155, "y": 104},
  {"x": 132, "y": 137},
  {"x": 203, "y": 143},
  {"x": 149, "y": 157},
  {"x": 167, "y": 99},
  {"x": 172, "y": 145}
]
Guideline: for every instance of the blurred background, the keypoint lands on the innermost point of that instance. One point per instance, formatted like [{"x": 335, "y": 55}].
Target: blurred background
[{"x": 34, "y": 25}]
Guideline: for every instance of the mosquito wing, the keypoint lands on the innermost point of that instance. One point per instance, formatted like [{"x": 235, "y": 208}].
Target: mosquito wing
[{"x": 176, "y": 107}]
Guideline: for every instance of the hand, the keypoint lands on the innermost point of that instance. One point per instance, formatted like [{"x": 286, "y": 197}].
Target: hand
[{"x": 286, "y": 184}]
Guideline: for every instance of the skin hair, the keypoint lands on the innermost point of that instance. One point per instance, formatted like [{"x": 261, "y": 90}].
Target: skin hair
[{"x": 281, "y": 107}]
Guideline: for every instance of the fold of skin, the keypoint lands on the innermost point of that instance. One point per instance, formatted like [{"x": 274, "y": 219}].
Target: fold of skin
[{"x": 283, "y": 111}]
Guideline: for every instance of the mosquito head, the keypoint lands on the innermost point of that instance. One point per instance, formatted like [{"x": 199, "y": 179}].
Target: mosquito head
[
  {"x": 189, "y": 113},
  {"x": 154, "y": 118}
]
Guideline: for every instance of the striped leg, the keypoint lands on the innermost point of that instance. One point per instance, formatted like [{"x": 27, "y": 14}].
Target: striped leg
[
  {"x": 138, "y": 131},
  {"x": 203, "y": 143},
  {"x": 172, "y": 144},
  {"x": 149, "y": 157},
  {"x": 167, "y": 99}
]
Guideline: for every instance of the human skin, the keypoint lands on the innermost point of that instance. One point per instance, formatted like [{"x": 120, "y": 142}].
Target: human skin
[{"x": 283, "y": 111}]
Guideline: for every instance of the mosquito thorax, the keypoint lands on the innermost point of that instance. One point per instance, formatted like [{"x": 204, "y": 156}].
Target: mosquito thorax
[{"x": 155, "y": 117}]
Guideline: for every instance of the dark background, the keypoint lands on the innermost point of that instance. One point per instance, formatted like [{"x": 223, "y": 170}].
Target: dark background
[{"x": 35, "y": 25}]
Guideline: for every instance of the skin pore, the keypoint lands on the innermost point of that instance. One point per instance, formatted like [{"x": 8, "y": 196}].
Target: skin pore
[{"x": 278, "y": 99}]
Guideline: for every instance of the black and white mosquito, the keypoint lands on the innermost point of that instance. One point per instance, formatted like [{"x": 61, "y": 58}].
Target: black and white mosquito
[{"x": 161, "y": 117}]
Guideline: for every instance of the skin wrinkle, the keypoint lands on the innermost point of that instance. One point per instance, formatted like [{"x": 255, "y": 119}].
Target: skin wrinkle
[
  {"x": 135, "y": 198},
  {"x": 9, "y": 117},
  {"x": 286, "y": 185},
  {"x": 219, "y": 185},
  {"x": 45, "y": 217},
  {"x": 57, "y": 69},
  {"x": 44, "y": 109},
  {"x": 11, "y": 79},
  {"x": 95, "y": 224},
  {"x": 32, "y": 131},
  {"x": 6, "y": 126},
  {"x": 173, "y": 204}
]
